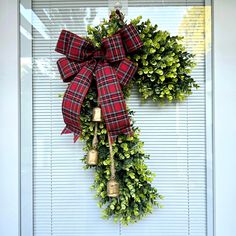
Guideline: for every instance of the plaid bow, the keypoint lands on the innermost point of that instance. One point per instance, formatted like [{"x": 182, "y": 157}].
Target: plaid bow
[{"x": 111, "y": 69}]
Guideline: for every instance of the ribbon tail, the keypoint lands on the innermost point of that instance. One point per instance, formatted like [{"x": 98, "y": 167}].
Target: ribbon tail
[
  {"x": 65, "y": 131},
  {"x": 112, "y": 101},
  {"x": 73, "y": 100},
  {"x": 76, "y": 137},
  {"x": 68, "y": 131}
]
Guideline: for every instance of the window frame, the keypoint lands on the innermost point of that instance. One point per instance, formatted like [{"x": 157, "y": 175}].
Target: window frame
[{"x": 27, "y": 133}]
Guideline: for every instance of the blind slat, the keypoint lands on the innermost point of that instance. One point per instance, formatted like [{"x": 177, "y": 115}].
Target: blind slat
[{"x": 174, "y": 134}]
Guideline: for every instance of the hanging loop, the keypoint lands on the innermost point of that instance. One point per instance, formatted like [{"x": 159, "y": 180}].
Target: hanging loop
[{"x": 118, "y": 5}]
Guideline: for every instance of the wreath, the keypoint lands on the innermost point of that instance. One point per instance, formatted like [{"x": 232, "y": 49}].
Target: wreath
[{"x": 160, "y": 69}]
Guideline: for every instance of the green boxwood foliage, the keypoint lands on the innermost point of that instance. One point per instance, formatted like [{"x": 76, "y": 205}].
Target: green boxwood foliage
[
  {"x": 164, "y": 64},
  {"x": 137, "y": 195},
  {"x": 163, "y": 75}
]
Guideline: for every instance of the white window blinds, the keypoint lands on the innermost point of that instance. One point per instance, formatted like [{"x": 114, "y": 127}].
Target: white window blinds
[{"x": 174, "y": 134}]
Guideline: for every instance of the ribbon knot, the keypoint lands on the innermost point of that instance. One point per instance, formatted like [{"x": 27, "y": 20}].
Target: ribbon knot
[
  {"x": 111, "y": 69},
  {"x": 99, "y": 55}
]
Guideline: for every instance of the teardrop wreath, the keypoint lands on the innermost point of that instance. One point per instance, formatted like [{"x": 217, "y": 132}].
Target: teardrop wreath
[{"x": 101, "y": 70}]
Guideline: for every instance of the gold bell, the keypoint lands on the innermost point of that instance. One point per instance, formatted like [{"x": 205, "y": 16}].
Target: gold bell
[
  {"x": 97, "y": 114},
  {"x": 113, "y": 188},
  {"x": 92, "y": 157}
]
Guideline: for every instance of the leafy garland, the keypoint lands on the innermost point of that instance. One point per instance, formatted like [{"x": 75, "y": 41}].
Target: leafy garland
[{"x": 164, "y": 68}]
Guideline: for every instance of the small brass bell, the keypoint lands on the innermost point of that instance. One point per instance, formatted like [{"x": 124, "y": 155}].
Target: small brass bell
[
  {"x": 97, "y": 114},
  {"x": 92, "y": 157},
  {"x": 113, "y": 188}
]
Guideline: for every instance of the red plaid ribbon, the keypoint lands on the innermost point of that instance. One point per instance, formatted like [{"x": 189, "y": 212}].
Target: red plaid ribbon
[{"x": 111, "y": 69}]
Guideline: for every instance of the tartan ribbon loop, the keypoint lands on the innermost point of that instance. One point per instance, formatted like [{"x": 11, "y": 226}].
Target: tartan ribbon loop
[{"x": 111, "y": 69}]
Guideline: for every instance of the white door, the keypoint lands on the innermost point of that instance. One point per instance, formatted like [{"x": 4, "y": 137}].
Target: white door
[{"x": 175, "y": 135}]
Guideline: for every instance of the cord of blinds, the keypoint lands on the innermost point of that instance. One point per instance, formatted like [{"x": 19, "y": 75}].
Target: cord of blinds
[{"x": 174, "y": 134}]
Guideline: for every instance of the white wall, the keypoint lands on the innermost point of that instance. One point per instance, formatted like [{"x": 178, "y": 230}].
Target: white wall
[
  {"x": 9, "y": 119},
  {"x": 225, "y": 116}
]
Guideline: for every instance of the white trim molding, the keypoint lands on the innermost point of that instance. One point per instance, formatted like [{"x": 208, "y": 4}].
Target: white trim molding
[
  {"x": 224, "y": 116},
  {"x": 9, "y": 120}
]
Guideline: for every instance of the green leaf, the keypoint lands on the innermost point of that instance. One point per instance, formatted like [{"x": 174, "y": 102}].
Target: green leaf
[
  {"x": 162, "y": 78},
  {"x": 164, "y": 73}
]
